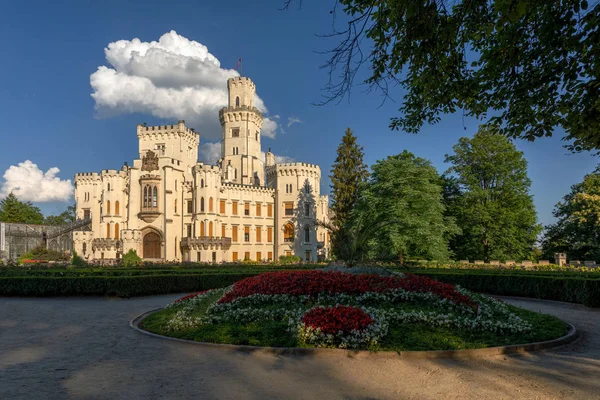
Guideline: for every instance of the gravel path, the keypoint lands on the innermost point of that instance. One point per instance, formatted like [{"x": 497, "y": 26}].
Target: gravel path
[{"x": 83, "y": 348}]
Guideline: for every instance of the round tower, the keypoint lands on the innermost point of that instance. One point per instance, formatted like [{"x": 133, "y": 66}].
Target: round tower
[{"x": 241, "y": 124}]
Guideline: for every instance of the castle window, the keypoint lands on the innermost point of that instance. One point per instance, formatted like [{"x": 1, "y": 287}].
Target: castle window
[
  {"x": 258, "y": 256},
  {"x": 307, "y": 255},
  {"x": 108, "y": 207},
  {"x": 201, "y": 183},
  {"x": 117, "y": 231},
  {"x": 237, "y": 101},
  {"x": 108, "y": 188},
  {"x": 258, "y": 234},
  {"x": 201, "y": 205},
  {"x": 201, "y": 228},
  {"x": 256, "y": 135},
  {"x": 145, "y": 196},
  {"x": 108, "y": 231},
  {"x": 86, "y": 214},
  {"x": 222, "y": 207},
  {"x": 247, "y": 209},
  {"x": 234, "y": 256},
  {"x": 306, "y": 209},
  {"x": 235, "y": 173},
  {"x": 117, "y": 208},
  {"x": 210, "y": 229},
  {"x": 175, "y": 184},
  {"x": 234, "y": 208},
  {"x": 175, "y": 206},
  {"x": 288, "y": 232},
  {"x": 190, "y": 206},
  {"x": 210, "y": 205},
  {"x": 289, "y": 209},
  {"x": 155, "y": 197},
  {"x": 269, "y": 210},
  {"x": 270, "y": 234},
  {"x": 258, "y": 209},
  {"x": 235, "y": 132},
  {"x": 307, "y": 234},
  {"x": 189, "y": 230},
  {"x": 246, "y": 234},
  {"x": 247, "y": 256},
  {"x": 223, "y": 227},
  {"x": 234, "y": 234}
]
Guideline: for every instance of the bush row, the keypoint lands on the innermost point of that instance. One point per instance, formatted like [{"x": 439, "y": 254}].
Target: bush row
[
  {"x": 569, "y": 289},
  {"x": 123, "y": 286}
]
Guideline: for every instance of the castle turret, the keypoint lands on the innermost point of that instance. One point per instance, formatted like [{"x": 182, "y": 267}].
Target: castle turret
[{"x": 241, "y": 124}]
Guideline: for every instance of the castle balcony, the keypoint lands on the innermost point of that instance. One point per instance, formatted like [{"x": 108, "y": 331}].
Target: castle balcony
[
  {"x": 205, "y": 243},
  {"x": 105, "y": 244}
]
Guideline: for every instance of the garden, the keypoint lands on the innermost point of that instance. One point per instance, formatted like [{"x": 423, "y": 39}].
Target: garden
[{"x": 360, "y": 308}]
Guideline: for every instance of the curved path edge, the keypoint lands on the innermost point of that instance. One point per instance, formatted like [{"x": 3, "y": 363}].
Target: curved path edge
[{"x": 431, "y": 354}]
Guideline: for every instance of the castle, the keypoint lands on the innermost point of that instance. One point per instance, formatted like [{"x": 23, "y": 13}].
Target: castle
[{"x": 167, "y": 206}]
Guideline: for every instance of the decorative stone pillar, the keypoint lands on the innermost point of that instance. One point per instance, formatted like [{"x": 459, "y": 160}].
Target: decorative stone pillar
[{"x": 560, "y": 259}]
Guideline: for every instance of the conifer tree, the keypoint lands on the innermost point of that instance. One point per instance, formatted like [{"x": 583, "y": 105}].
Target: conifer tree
[
  {"x": 348, "y": 174},
  {"x": 14, "y": 210}
]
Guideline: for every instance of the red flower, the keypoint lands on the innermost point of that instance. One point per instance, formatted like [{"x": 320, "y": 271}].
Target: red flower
[
  {"x": 331, "y": 320},
  {"x": 190, "y": 296},
  {"x": 313, "y": 282}
]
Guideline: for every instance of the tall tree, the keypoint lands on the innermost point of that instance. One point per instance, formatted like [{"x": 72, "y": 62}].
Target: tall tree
[
  {"x": 348, "y": 175},
  {"x": 14, "y": 210},
  {"x": 405, "y": 194},
  {"x": 577, "y": 231},
  {"x": 488, "y": 192},
  {"x": 63, "y": 218},
  {"x": 532, "y": 64}
]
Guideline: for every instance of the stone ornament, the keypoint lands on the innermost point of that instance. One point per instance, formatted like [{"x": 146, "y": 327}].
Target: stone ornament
[{"x": 150, "y": 162}]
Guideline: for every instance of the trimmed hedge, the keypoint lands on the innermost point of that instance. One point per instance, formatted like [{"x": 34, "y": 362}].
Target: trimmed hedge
[
  {"x": 569, "y": 289},
  {"x": 123, "y": 286}
]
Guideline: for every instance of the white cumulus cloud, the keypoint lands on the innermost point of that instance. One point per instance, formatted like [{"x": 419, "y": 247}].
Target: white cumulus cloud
[
  {"x": 293, "y": 120},
  {"x": 29, "y": 183},
  {"x": 210, "y": 152},
  {"x": 173, "y": 77}
]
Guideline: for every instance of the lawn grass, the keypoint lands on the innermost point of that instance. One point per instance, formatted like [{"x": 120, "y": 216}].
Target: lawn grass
[{"x": 401, "y": 337}]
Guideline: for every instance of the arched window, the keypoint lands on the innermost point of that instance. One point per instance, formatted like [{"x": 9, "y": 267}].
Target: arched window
[
  {"x": 116, "y": 207},
  {"x": 235, "y": 173},
  {"x": 237, "y": 101},
  {"x": 210, "y": 229},
  {"x": 175, "y": 184},
  {"x": 307, "y": 233},
  {"x": 306, "y": 209},
  {"x": 108, "y": 188},
  {"x": 145, "y": 196},
  {"x": 108, "y": 231},
  {"x": 210, "y": 205},
  {"x": 155, "y": 197},
  {"x": 108, "y": 207},
  {"x": 256, "y": 135},
  {"x": 288, "y": 232},
  {"x": 117, "y": 231},
  {"x": 175, "y": 206},
  {"x": 201, "y": 228},
  {"x": 201, "y": 183},
  {"x": 201, "y": 204}
]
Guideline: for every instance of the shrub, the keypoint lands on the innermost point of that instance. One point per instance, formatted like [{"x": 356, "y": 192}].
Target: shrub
[
  {"x": 77, "y": 261},
  {"x": 41, "y": 253},
  {"x": 289, "y": 259},
  {"x": 131, "y": 259}
]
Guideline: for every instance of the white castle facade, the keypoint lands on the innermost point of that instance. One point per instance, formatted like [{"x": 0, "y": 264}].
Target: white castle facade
[{"x": 168, "y": 206}]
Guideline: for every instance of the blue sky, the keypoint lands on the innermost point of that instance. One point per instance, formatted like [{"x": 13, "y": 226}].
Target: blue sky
[{"x": 47, "y": 114}]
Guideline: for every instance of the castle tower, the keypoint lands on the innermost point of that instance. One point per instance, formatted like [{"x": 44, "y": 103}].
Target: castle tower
[{"x": 241, "y": 123}]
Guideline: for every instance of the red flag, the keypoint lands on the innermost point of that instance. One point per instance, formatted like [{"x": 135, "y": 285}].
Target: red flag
[{"x": 239, "y": 62}]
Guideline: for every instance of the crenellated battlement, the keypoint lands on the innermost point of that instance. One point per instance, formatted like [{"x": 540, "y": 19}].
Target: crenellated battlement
[
  {"x": 247, "y": 188},
  {"x": 207, "y": 168},
  {"x": 240, "y": 81},
  {"x": 241, "y": 113},
  {"x": 163, "y": 132},
  {"x": 296, "y": 168}
]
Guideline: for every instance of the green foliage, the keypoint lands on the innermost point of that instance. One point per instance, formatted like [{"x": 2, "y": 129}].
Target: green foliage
[
  {"x": 487, "y": 191},
  {"x": 77, "y": 261},
  {"x": 66, "y": 217},
  {"x": 131, "y": 259},
  {"x": 533, "y": 65},
  {"x": 13, "y": 210},
  {"x": 577, "y": 230},
  {"x": 569, "y": 289},
  {"x": 348, "y": 175},
  {"x": 293, "y": 259},
  {"x": 44, "y": 254},
  {"x": 404, "y": 196}
]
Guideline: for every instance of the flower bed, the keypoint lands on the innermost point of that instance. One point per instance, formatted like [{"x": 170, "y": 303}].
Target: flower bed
[{"x": 342, "y": 310}]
